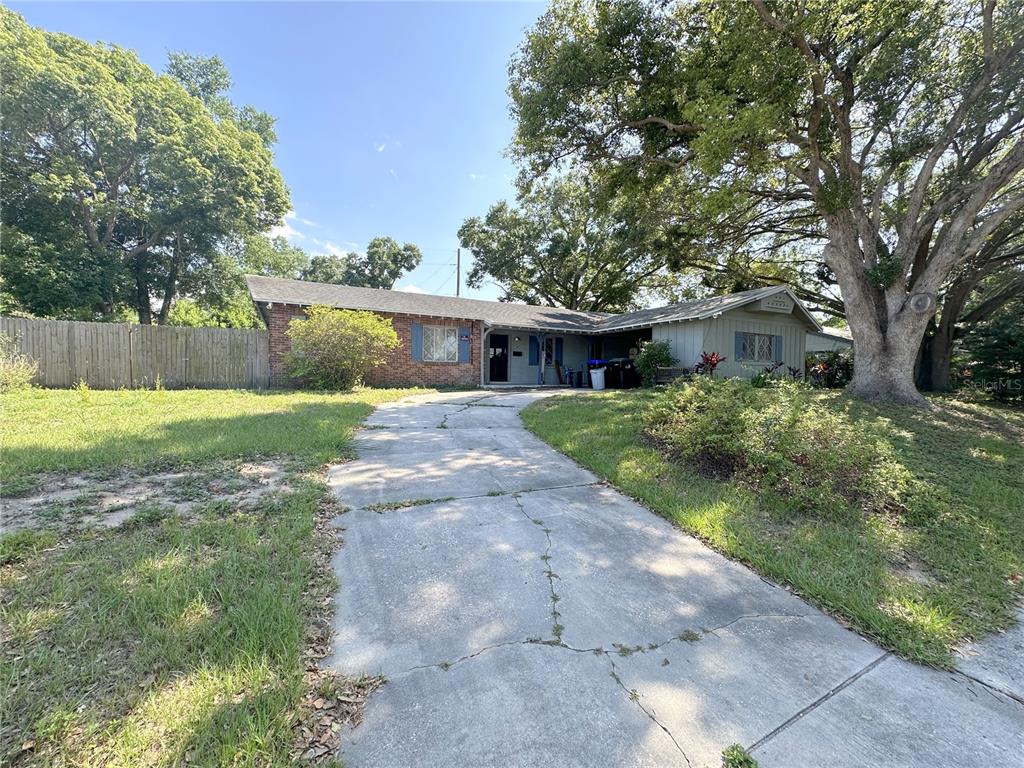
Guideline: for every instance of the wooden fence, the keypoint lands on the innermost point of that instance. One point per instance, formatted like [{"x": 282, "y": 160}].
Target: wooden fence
[{"x": 114, "y": 355}]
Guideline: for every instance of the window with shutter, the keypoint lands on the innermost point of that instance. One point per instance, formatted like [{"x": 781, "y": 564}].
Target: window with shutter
[
  {"x": 756, "y": 347},
  {"x": 440, "y": 344}
]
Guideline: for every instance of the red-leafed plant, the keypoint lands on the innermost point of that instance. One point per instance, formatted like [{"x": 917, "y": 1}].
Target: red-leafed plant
[{"x": 708, "y": 362}]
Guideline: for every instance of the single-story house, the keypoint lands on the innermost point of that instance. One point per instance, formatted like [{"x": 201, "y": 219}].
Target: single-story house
[
  {"x": 449, "y": 341},
  {"x": 829, "y": 340}
]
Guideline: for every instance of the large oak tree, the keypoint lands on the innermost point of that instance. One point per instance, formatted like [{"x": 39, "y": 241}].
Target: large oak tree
[
  {"x": 894, "y": 130},
  {"x": 111, "y": 166}
]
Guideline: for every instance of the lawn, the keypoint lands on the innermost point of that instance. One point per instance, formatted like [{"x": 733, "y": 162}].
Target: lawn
[
  {"x": 168, "y": 639},
  {"x": 948, "y": 569},
  {"x": 57, "y": 430}
]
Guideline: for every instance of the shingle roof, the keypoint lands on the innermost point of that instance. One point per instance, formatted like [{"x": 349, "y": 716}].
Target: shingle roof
[
  {"x": 498, "y": 313},
  {"x": 273, "y": 289},
  {"x": 698, "y": 309},
  {"x": 843, "y": 334}
]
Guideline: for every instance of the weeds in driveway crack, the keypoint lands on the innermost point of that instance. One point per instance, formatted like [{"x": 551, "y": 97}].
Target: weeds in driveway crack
[
  {"x": 634, "y": 696},
  {"x": 735, "y": 756},
  {"x": 557, "y": 628},
  {"x": 391, "y": 506}
]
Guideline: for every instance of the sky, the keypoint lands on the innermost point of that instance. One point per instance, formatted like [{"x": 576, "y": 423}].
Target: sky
[{"x": 392, "y": 118}]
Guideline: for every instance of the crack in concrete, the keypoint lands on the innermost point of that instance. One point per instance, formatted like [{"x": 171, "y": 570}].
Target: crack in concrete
[
  {"x": 556, "y": 626},
  {"x": 489, "y": 494},
  {"x": 818, "y": 702},
  {"x": 634, "y": 696},
  {"x": 992, "y": 689},
  {"x": 690, "y": 636}
]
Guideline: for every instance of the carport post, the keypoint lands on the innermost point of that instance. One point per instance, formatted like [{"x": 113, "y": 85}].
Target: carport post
[
  {"x": 541, "y": 343},
  {"x": 485, "y": 331}
]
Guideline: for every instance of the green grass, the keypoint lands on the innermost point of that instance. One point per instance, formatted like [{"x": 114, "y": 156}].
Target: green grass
[
  {"x": 59, "y": 430},
  {"x": 962, "y": 532},
  {"x": 165, "y": 640}
]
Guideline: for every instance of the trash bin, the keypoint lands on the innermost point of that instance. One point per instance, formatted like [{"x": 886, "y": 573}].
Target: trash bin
[{"x": 597, "y": 378}]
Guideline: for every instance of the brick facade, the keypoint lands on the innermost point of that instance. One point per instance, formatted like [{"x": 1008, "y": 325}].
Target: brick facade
[{"x": 400, "y": 369}]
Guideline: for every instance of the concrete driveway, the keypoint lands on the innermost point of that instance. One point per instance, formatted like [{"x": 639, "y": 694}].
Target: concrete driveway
[{"x": 525, "y": 614}]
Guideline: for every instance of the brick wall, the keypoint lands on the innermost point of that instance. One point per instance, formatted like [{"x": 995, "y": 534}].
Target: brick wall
[{"x": 399, "y": 369}]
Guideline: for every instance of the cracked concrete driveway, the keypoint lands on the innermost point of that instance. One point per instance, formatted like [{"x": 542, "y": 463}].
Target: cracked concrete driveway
[{"x": 531, "y": 616}]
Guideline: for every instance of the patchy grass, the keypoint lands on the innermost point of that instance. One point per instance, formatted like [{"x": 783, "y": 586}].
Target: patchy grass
[
  {"x": 59, "y": 430},
  {"x": 945, "y": 570},
  {"x": 21, "y": 545},
  {"x": 171, "y": 640}
]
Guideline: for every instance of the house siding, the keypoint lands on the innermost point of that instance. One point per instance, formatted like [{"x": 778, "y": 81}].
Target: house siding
[
  {"x": 817, "y": 342},
  {"x": 685, "y": 340},
  {"x": 399, "y": 369},
  {"x": 720, "y": 335},
  {"x": 688, "y": 339}
]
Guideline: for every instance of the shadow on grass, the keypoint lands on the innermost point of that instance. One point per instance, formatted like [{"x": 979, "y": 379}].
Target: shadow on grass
[
  {"x": 147, "y": 644},
  {"x": 316, "y": 432},
  {"x": 919, "y": 584}
]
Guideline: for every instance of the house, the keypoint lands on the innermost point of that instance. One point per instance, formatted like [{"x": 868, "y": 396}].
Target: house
[
  {"x": 829, "y": 340},
  {"x": 448, "y": 341}
]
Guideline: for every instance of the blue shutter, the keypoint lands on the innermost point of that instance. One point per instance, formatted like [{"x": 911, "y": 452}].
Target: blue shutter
[
  {"x": 464, "y": 340},
  {"x": 416, "y": 342},
  {"x": 534, "y": 351},
  {"x": 777, "y": 350},
  {"x": 558, "y": 349},
  {"x": 739, "y": 346}
]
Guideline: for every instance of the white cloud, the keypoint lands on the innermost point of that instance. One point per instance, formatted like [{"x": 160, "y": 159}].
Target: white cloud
[
  {"x": 286, "y": 230},
  {"x": 476, "y": 176},
  {"x": 392, "y": 174},
  {"x": 326, "y": 246},
  {"x": 411, "y": 289},
  {"x": 380, "y": 147}
]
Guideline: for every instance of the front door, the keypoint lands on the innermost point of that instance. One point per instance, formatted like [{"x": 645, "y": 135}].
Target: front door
[{"x": 498, "y": 357}]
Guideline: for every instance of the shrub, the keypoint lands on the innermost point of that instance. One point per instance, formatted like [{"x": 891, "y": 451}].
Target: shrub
[
  {"x": 830, "y": 370},
  {"x": 777, "y": 439},
  {"x": 336, "y": 348},
  {"x": 709, "y": 361},
  {"x": 653, "y": 355},
  {"x": 16, "y": 370}
]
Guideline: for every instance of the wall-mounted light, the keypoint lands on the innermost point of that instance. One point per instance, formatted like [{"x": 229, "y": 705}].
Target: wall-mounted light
[{"x": 517, "y": 338}]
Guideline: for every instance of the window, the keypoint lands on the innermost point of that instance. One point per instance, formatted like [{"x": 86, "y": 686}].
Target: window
[
  {"x": 440, "y": 344},
  {"x": 757, "y": 347}
]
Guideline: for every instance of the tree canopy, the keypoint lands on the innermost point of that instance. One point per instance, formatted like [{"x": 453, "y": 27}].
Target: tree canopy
[
  {"x": 882, "y": 139},
  {"x": 118, "y": 177},
  {"x": 561, "y": 246},
  {"x": 380, "y": 266}
]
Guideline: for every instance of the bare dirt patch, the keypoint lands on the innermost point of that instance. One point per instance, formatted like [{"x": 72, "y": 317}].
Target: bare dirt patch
[{"x": 71, "y": 502}]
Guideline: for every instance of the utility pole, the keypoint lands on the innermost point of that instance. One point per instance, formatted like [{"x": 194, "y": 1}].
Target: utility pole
[{"x": 458, "y": 269}]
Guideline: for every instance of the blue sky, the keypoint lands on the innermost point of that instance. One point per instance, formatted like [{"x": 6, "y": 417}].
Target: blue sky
[{"x": 392, "y": 118}]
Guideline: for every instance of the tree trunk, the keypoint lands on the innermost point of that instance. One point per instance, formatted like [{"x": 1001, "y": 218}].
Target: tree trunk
[
  {"x": 142, "y": 303},
  {"x": 885, "y": 371},
  {"x": 171, "y": 286},
  {"x": 887, "y": 334},
  {"x": 936, "y": 358}
]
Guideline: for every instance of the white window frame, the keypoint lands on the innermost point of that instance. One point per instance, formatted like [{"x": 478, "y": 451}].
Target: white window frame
[
  {"x": 762, "y": 344},
  {"x": 440, "y": 344}
]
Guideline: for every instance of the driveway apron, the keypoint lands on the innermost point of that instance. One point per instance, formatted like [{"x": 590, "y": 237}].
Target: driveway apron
[{"x": 525, "y": 614}]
